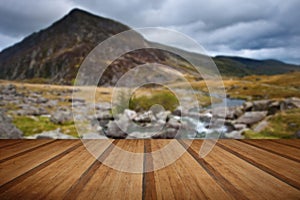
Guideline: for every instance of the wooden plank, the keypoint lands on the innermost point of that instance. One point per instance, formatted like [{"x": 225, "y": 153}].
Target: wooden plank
[
  {"x": 107, "y": 183},
  {"x": 247, "y": 178},
  {"x": 53, "y": 181},
  {"x": 289, "y": 142},
  {"x": 185, "y": 178},
  {"x": 11, "y": 169},
  {"x": 282, "y": 168},
  {"x": 21, "y": 148},
  {"x": 279, "y": 149},
  {"x": 149, "y": 189},
  {"x": 8, "y": 142}
]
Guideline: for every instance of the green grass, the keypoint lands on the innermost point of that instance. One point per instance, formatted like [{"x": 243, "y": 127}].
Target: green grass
[
  {"x": 282, "y": 125},
  {"x": 34, "y": 125},
  {"x": 164, "y": 98}
]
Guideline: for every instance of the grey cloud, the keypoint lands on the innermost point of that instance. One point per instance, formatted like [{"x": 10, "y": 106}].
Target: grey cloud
[{"x": 257, "y": 28}]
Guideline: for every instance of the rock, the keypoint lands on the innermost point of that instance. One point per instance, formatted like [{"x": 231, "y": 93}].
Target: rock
[
  {"x": 293, "y": 102},
  {"x": 131, "y": 114},
  {"x": 104, "y": 115},
  {"x": 9, "y": 89},
  {"x": 297, "y": 134},
  {"x": 174, "y": 123},
  {"x": 114, "y": 131},
  {"x": 238, "y": 111},
  {"x": 177, "y": 111},
  {"x": 145, "y": 117},
  {"x": 169, "y": 133},
  {"x": 240, "y": 126},
  {"x": 61, "y": 116},
  {"x": 93, "y": 136},
  {"x": 261, "y": 105},
  {"x": 7, "y": 129},
  {"x": 103, "y": 106},
  {"x": 40, "y": 100},
  {"x": 253, "y": 117},
  {"x": 136, "y": 135},
  {"x": 260, "y": 126},
  {"x": 247, "y": 106},
  {"x": 235, "y": 134},
  {"x": 273, "y": 108},
  {"x": 229, "y": 126},
  {"x": 163, "y": 115},
  {"x": 51, "y": 103},
  {"x": 55, "y": 134},
  {"x": 31, "y": 110}
]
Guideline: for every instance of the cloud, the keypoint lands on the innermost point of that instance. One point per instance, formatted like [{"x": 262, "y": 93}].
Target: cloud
[{"x": 257, "y": 28}]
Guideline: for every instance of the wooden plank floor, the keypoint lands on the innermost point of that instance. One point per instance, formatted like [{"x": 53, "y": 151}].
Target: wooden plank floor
[{"x": 234, "y": 169}]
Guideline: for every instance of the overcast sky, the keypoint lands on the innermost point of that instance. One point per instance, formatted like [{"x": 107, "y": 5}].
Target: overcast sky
[{"x": 259, "y": 29}]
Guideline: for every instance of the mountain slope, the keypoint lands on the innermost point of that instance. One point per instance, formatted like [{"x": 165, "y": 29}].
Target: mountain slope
[
  {"x": 55, "y": 53},
  {"x": 244, "y": 66}
]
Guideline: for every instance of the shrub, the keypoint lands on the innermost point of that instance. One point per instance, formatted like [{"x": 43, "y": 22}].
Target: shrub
[{"x": 164, "y": 98}]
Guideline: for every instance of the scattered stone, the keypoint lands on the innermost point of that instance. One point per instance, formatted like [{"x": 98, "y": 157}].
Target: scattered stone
[{"x": 61, "y": 116}]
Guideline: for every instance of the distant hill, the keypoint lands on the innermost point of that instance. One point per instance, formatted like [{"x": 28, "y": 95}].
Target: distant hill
[
  {"x": 54, "y": 54},
  {"x": 239, "y": 66}
]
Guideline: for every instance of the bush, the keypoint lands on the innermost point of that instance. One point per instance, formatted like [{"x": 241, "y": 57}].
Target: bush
[{"x": 164, "y": 98}]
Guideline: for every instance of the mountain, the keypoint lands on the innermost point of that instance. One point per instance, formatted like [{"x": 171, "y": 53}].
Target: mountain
[
  {"x": 53, "y": 55},
  {"x": 239, "y": 66}
]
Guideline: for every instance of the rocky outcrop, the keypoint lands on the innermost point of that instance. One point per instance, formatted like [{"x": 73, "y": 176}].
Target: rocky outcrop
[
  {"x": 7, "y": 129},
  {"x": 250, "y": 118}
]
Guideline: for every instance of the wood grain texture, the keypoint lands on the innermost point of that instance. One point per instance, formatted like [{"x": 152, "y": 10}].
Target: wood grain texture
[{"x": 65, "y": 169}]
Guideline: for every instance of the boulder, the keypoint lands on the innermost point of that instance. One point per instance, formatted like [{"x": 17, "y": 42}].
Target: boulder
[
  {"x": 247, "y": 106},
  {"x": 177, "y": 111},
  {"x": 7, "y": 129},
  {"x": 235, "y": 134},
  {"x": 261, "y": 105},
  {"x": 174, "y": 123},
  {"x": 260, "y": 126},
  {"x": 293, "y": 102},
  {"x": 240, "y": 126},
  {"x": 251, "y": 118},
  {"x": 114, "y": 131},
  {"x": 61, "y": 116}
]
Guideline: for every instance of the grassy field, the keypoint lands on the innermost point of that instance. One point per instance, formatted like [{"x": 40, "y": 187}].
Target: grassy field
[{"x": 281, "y": 125}]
